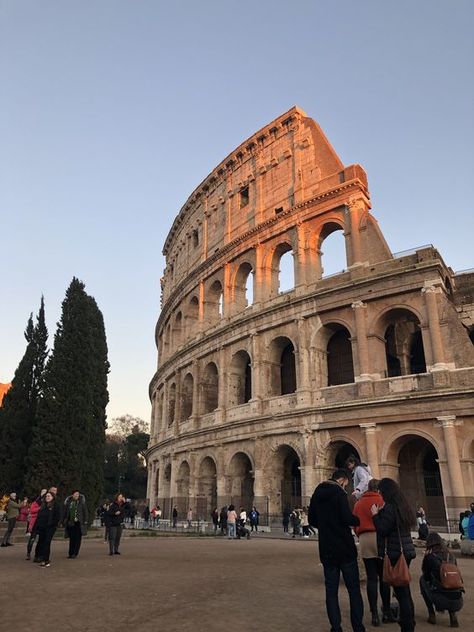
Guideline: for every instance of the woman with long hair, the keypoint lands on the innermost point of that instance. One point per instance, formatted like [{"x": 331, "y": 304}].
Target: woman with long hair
[
  {"x": 369, "y": 553},
  {"x": 46, "y": 523},
  {"x": 393, "y": 522},
  {"x": 116, "y": 515}
]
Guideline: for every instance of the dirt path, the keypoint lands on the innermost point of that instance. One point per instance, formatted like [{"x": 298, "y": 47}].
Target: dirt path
[{"x": 182, "y": 584}]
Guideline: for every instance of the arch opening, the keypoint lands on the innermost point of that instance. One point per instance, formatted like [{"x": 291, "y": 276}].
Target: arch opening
[
  {"x": 210, "y": 388},
  {"x": 182, "y": 488},
  {"x": 187, "y": 397},
  {"x": 332, "y": 247},
  {"x": 171, "y": 404},
  {"x": 240, "y": 379},
  {"x": 244, "y": 287},
  {"x": 241, "y": 481},
  {"x": 207, "y": 488},
  {"x": 340, "y": 365},
  {"x": 215, "y": 302},
  {"x": 404, "y": 352},
  {"x": 282, "y": 366}
]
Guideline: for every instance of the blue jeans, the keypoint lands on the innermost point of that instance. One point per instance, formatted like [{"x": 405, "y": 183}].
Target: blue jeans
[
  {"x": 231, "y": 529},
  {"x": 350, "y": 573}
]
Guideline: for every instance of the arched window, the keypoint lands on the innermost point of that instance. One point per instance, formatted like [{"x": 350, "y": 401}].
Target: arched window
[
  {"x": 243, "y": 289},
  {"x": 215, "y": 302},
  {"x": 240, "y": 379},
  {"x": 404, "y": 351},
  {"x": 171, "y": 404},
  {"x": 210, "y": 388},
  {"x": 339, "y": 354},
  {"x": 178, "y": 330},
  {"x": 286, "y": 268},
  {"x": 283, "y": 367},
  {"x": 192, "y": 317},
  {"x": 332, "y": 247},
  {"x": 187, "y": 397}
]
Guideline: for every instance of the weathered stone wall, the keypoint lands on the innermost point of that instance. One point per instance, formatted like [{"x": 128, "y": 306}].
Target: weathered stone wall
[{"x": 257, "y": 398}]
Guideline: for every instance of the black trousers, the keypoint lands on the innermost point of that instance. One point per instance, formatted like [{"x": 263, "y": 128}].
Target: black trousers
[
  {"x": 74, "y": 534},
  {"x": 9, "y": 531},
  {"x": 43, "y": 548},
  {"x": 115, "y": 533},
  {"x": 407, "y": 609},
  {"x": 374, "y": 570},
  {"x": 350, "y": 573}
]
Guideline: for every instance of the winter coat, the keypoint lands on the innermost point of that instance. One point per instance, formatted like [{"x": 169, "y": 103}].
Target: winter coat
[
  {"x": 24, "y": 511},
  {"x": 116, "y": 520},
  {"x": 82, "y": 514},
  {"x": 13, "y": 509},
  {"x": 387, "y": 531},
  {"x": 49, "y": 515},
  {"x": 362, "y": 511},
  {"x": 329, "y": 512},
  {"x": 362, "y": 476},
  {"x": 33, "y": 515}
]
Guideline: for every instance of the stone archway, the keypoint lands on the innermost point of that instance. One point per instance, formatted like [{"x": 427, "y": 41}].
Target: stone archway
[
  {"x": 207, "y": 488},
  {"x": 182, "y": 488},
  {"x": 419, "y": 475},
  {"x": 283, "y": 480},
  {"x": 240, "y": 481}
]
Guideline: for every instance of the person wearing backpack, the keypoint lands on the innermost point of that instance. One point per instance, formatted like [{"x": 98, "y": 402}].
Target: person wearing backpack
[{"x": 441, "y": 581}]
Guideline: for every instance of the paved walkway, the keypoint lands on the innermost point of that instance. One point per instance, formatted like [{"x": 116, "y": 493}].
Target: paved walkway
[{"x": 182, "y": 584}]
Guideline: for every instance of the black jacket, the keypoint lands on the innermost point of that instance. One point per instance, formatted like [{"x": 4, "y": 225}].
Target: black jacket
[
  {"x": 48, "y": 515},
  {"x": 329, "y": 512},
  {"x": 82, "y": 513},
  {"x": 115, "y": 519},
  {"x": 386, "y": 525}
]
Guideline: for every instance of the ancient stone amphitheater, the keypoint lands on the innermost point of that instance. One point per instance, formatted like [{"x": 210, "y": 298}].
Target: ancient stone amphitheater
[{"x": 263, "y": 388}]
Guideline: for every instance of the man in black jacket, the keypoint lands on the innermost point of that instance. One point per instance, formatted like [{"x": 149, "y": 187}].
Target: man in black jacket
[{"x": 329, "y": 512}]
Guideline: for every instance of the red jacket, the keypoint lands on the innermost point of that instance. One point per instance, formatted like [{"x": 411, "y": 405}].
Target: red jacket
[
  {"x": 362, "y": 511},
  {"x": 34, "y": 509}
]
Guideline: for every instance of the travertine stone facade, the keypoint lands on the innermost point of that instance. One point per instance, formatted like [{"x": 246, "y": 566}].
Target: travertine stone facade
[{"x": 260, "y": 393}]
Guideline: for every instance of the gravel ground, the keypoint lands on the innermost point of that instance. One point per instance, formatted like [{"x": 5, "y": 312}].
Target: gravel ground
[{"x": 183, "y": 584}]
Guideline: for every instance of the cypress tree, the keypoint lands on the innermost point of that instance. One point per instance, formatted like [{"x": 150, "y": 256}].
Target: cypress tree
[
  {"x": 68, "y": 443},
  {"x": 18, "y": 413}
]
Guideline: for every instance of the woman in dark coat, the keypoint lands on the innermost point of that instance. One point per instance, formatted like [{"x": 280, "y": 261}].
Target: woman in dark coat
[
  {"x": 393, "y": 523},
  {"x": 46, "y": 524}
]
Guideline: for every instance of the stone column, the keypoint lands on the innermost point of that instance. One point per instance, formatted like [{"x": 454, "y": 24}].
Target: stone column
[
  {"x": 354, "y": 213},
  {"x": 448, "y": 423},
  {"x": 227, "y": 291},
  {"x": 196, "y": 390},
  {"x": 430, "y": 293},
  {"x": 260, "y": 292},
  {"x": 301, "y": 263},
  {"x": 205, "y": 231},
  {"x": 177, "y": 404},
  {"x": 362, "y": 345},
  {"x": 369, "y": 430}
]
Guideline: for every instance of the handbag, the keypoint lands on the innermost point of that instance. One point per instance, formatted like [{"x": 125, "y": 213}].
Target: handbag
[{"x": 399, "y": 574}]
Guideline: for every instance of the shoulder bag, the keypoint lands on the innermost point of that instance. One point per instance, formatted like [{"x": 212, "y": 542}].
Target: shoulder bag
[{"x": 399, "y": 574}]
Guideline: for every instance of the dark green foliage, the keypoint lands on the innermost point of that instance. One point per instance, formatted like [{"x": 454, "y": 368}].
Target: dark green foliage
[
  {"x": 18, "y": 413},
  {"x": 68, "y": 441},
  {"x": 125, "y": 466}
]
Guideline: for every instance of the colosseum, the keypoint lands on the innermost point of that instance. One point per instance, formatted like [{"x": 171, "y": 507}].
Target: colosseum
[{"x": 262, "y": 387}]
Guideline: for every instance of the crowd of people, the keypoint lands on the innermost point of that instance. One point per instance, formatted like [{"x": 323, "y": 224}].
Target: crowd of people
[{"x": 382, "y": 519}]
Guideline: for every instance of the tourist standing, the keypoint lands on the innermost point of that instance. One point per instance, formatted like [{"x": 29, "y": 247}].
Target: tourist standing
[
  {"x": 189, "y": 518},
  {"x": 254, "y": 516},
  {"x": 393, "y": 523},
  {"x": 116, "y": 513},
  {"x": 12, "y": 513},
  {"x": 231, "y": 522},
  {"x": 146, "y": 517},
  {"x": 76, "y": 518},
  {"x": 175, "y": 517},
  {"x": 31, "y": 527},
  {"x": 422, "y": 523},
  {"x": 286, "y": 520},
  {"x": 361, "y": 475},
  {"x": 435, "y": 596},
  {"x": 215, "y": 519},
  {"x": 369, "y": 553},
  {"x": 24, "y": 511},
  {"x": 47, "y": 521},
  {"x": 329, "y": 512},
  {"x": 223, "y": 520}
]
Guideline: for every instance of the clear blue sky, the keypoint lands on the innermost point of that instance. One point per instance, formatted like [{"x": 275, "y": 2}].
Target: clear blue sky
[{"x": 112, "y": 111}]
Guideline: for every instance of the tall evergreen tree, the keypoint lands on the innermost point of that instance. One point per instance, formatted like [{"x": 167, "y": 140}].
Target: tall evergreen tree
[
  {"x": 68, "y": 442},
  {"x": 18, "y": 413}
]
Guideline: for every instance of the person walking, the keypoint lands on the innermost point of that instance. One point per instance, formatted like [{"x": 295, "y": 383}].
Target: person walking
[
  {"x": 116, "y": 513},
  {"x": 76, "y": 518},
  {"x": 12, "y": 513},
  {"x": 223, "y": 520},
  {"x": 369, "y": 553},
  {"x": 146, "y": 517},
  {"x": 231, "y": 522},
  {"x": 286, "y": 520},
  {"x": 393, "y": 522},
  {"x": 329, "y": 512},
  {"x": 189, "y": 518},
  {"x": 47, "y": 521},
  {"x": 361, "y": 475},
  {"x": 434, "y": 595}
]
